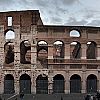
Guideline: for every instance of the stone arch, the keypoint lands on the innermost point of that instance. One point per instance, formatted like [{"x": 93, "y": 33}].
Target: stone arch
[
  {"x": 42, "y": 52},
  {"x": 25, "y": 84},
  {"x": 42, "y": 49},
  {"x": 42, "y": 45},
  {"x": 75, "y": 50},
  {"x": 58, "y": 51},
  {"x": 42, "y": 84},
  {"x": 91, "y": 51},
  {"x": 75, "y": 84},
  {"x": 42, "y": 42},
  {"x": 58, "y": 84},
  {"x": 9, "y": 52},
  {"x": 9, "y": 34},
  {"x": 25, "y": 52},
  {"x": 91, "y": 83},
  {"x": 9, "y": 84}
]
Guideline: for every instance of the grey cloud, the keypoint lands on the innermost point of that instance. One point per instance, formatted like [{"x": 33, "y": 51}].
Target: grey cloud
[
  {"x": 69, "y": 2},
  {"x": 94, "y": 23},
  {"x": 45, "y": 3},
  {"x": 73, "y": 21},
  {"x": 89, "y": 15},
  {"x": 53, "y": 6},
  {"x": 55, "y": 11},
  {"x": 5, "y": 2},
  {"x": 56, "y": 15},
  {"x": 11, "y": 4},
  {"x": 62, "y": 10},
  {"x": 42, "y": 3},
  {"x": 55, "y": 19}
]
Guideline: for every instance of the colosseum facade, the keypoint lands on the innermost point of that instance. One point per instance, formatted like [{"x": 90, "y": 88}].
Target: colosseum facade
[{"x": 46, "y": 59}]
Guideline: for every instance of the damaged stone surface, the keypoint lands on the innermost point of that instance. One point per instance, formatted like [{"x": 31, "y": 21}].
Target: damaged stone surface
[{"x": 47, "y": 58}]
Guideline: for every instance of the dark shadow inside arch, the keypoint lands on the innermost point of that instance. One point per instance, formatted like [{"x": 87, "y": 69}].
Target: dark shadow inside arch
[
  {"x": 25, "y": 84},
  {"x": 58, "y": 84},
  {"x": 25, "y": 52},
  {"x": 91, "y": 84},
  {"x": 91, "y": 50},
  {"x": 9, "y": 52},
  {"x": 75, "y": 84},
  {"x": 9, "y": 84},
  {"x": 42, "y": 84},
  {"x": 76, "y": 53}
]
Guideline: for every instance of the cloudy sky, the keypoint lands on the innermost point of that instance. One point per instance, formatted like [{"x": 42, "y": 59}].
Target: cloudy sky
[{"x": 59, "y": 12}]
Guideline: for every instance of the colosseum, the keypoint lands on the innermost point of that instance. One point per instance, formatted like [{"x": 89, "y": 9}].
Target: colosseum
[{"x": 47, "y": 59}]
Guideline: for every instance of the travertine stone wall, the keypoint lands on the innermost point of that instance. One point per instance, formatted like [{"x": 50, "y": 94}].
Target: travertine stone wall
[{"x": 28, "y": 25}]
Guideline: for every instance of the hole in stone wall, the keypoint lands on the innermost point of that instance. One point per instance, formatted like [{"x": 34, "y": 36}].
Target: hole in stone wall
[
  {"x": 75, "y": 50},
  {"x": 25, "y": 52},
  {"x": 74, "y": 33},
  {"x": 42, "y": 53},
  {"x": 58, "y": 49},
  {"x": 9, "y": 52},
  {"x": 91, "y": 50},
  {"x": 42, "y": 43},
  {"x": 9, "y": 19},
  {"x": 10, "y": 34}
]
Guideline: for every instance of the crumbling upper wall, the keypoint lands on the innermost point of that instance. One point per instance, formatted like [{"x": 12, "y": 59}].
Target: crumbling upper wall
[
  {"x": 23, "y": 24},
  {"x": 22, "y": 18}
]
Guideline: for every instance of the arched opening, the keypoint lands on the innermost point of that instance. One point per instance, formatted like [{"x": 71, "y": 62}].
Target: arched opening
[
  {"x": 75, "y": 84},
  {"x": 25, "y": 84},
  {"x": 58, "y": 84},
  {"x": 58, "y": 51},
  {"x": 9, "y": 52},
  {"x": 74, "y": 33},
  {"x": 9, "y": 84},
  {"x": 42, "y": 43},
  {"x": 42, "y": 84},
  {"x": 91, "y": 84},
  {"x": 75, "y": 50},
  {"x": 42, "y": 53},
  {"x": 42, "y": 49},
  {"x": 9, "y": 34},
  {"x": 91, "y": 50},
  {"x": 25, "y": 52}
]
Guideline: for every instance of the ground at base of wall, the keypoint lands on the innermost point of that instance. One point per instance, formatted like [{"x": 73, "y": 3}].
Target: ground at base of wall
[{"x": 75, "y": 96}]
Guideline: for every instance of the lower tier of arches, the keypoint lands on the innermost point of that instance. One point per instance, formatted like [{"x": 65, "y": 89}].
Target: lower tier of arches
[{"x": 44, "y": 85}]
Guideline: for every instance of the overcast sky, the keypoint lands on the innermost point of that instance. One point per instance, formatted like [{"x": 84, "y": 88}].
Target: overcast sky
[{"x": 59, "y": 12}]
